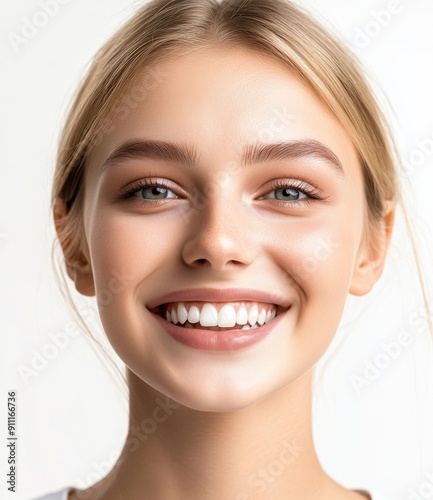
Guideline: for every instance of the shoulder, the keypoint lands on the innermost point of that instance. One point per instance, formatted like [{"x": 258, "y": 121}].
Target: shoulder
[{"x": 57, "y": 495}]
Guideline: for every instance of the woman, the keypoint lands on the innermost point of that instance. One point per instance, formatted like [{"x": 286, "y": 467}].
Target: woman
[{"x": 224, "y": 181}]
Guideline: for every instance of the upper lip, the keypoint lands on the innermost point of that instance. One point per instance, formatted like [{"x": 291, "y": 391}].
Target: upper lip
[{"x": 219, "y": 295}]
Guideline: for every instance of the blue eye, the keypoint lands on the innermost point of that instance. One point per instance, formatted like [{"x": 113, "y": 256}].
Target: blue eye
[
  {"x": 289, "y": 191},
  {"x": 155, "y": 193},
  {"x": 149, "y": 190},
  {"x": 288, "y": 194}
]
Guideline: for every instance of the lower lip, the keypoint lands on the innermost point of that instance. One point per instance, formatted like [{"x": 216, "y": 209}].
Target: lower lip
[{"x": 223, "y": 340}]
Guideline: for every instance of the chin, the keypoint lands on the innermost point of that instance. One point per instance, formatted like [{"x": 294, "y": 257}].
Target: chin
[{"x": 220, "y": 399}]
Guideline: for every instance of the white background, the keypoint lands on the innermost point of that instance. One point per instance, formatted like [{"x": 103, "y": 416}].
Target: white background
[{"x": 71, "y": 417}]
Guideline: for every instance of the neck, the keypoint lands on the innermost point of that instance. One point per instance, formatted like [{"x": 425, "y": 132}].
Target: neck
[{"x": 262, "y": 451}]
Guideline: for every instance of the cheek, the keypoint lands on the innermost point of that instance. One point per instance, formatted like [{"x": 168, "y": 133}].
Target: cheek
[
  {"x": 125, "y": 251},
  {"x": 127, "y": 243},
  {"x": 318, "y": 259},
  {"x": 318, "y": 262}
]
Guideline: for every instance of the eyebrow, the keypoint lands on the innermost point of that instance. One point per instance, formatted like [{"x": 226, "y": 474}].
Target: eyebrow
[{"x": 254, "y": 153}]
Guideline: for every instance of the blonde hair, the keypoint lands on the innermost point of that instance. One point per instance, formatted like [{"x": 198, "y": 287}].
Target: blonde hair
[{"x": 274, "y": 27}]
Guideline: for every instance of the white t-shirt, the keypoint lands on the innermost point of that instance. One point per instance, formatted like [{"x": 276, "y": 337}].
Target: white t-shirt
[
  {"x": 57, "y": 495},
  {"x": 63, "y": 495}
]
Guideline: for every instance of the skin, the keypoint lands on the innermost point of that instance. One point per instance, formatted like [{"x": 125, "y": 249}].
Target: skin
[{"x": 232, "y": 412}]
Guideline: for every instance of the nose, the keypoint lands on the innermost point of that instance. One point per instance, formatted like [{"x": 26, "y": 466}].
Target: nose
[{"x": 220, "y": 236}]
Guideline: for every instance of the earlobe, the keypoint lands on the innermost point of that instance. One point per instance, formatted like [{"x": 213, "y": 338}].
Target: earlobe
[
  {"x": 83, "y": 278},
  {"x": 77, "y": 262},
  {"x": 371, "y": 260}
]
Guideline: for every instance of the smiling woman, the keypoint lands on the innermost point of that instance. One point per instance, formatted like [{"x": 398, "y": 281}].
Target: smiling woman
[{"x": 211, "y": 187}]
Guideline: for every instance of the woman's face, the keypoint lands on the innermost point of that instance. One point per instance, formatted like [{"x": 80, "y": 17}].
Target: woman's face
[{"x": 286, "y": 220}]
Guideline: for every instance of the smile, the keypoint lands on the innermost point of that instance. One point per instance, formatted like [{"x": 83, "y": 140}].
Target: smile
[
  {"x": 217, "y": 319},
  {"x": 219, "y": 316}
]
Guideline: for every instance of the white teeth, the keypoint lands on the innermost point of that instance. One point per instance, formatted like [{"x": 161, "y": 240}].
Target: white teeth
[
  {"x": 253, "y": 315},
  {"x": 182, "y": 313},
  {"x": 249, "y": 327},
  {"x": 242, "y": 316},
  {"x": 194, "y": 314},
  {"x": 209, "y": 315},
  {"x": 173, "y": 316},
  {"x": 227, "y": 316},
  {"x": 262, "y": 318}
]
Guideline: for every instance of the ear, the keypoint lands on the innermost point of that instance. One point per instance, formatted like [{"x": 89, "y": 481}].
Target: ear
[
  {"x": 371, "y": 259},
  {"x": 77, "y": 259}
]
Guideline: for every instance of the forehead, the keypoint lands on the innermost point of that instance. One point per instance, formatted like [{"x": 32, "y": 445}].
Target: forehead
[{"x": 218, "y": 100}]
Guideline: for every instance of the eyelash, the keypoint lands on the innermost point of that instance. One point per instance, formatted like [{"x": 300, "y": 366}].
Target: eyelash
[
  {"x": 304, "y": 188},
  {"x": 131, "y": 189}
]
